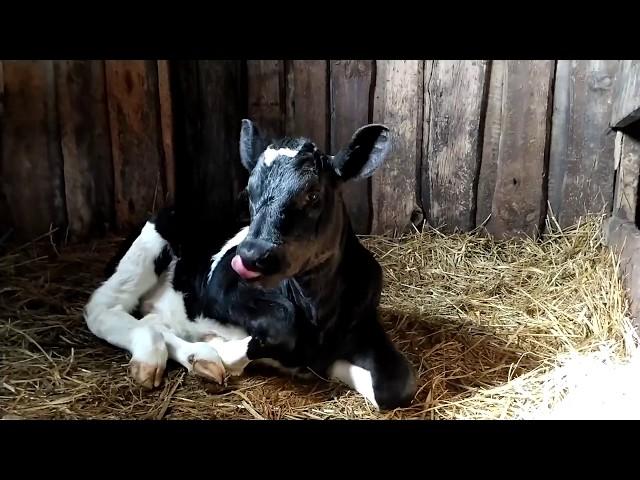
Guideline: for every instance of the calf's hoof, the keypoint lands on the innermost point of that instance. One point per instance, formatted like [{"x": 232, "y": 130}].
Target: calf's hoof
[
  {"x": 399, "y": 390},
  {"x": 149, "y": 359},
  {"x": 147, "y": 375},
  {"x": 209, "y": 370}
]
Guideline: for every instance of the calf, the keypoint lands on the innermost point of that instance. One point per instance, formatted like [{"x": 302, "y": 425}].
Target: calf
[{"x": 295, "y": 288}]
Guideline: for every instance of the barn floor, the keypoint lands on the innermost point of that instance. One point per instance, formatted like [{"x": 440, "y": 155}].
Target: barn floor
[{"x": 485, "y": 323}]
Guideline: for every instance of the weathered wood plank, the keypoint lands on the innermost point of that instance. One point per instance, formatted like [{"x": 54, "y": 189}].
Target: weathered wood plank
[
  {"x": 209, "y": 101},
  {"x": 626, "y": 103},
  {"x": 134, "y": 117},
  {"x": 623, "y": 238},
  {"x": 519, "y": 197},
  {"x": 307, "y": 95},
  {"x": 455, "y": 94},
  {"x": 266, "y": 95},
  {"x": 166, "y": 125},
  {"x": 581, "y": 155},
  {"x": 558, "y": 146},
  {"x": 86, "y": 146},
  {"x": 398, "y": 104},
  {"x": 32, "y": 172},
  {"x": 490, "y": 143},
  {"x": 627, "y": 175},
  {"x": 5, "y": 216},
  {"x": 351, "y": 82}
]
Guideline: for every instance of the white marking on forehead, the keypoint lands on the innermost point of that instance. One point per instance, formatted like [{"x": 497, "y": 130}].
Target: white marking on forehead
[{"x": 270, "y": 154}]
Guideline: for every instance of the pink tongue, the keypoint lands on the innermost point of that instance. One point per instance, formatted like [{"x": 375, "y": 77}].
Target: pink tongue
[{"x": 238, "y": 266}]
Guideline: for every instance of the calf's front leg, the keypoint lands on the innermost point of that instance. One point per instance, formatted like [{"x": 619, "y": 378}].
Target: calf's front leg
[{"x": 373, "y": 367}]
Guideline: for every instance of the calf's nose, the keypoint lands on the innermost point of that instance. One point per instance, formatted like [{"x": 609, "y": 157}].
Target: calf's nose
[{"x": 258, "y": 255}]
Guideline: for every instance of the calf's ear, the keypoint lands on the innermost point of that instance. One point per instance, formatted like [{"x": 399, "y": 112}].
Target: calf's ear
[
  {"x": 365, "y": 153},
  {"x": 252, "y": 144}
]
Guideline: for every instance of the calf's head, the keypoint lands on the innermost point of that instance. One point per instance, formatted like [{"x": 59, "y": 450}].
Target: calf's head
[{"x": 297, "y": 212}]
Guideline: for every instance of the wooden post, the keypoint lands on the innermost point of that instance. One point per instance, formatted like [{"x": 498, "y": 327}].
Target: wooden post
[
  {"x": 134, "y": 118},
  {"x": 623, "y": 238},
  {"x": 580, "y": 174},
  {"x": 209, "y": 106},
  {"x": 86, "y": 146},
  {"x": 398, "y": 104},
  {"x": 5, "y": 215},
  {"x": 32, "y": 171},
  {"x": 628, "y": 170},
  {"x": 518, "y": 205},
  {"x": 626, "y": 104},
  {"x": 266, "y": 94},
  {"x": 351, "y": 82},
  {"x": 490, "y": 143},
  {"x": 455, "y": 94},
  {"x": 166, "y": 126},
  {"x": 307, "y": 106}
]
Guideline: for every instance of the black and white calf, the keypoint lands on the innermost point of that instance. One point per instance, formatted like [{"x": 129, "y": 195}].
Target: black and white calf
[{"x": 294, "y": 289}]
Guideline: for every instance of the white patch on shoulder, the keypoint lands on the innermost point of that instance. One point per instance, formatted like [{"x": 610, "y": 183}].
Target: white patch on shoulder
[
  {"x": 356, "y": 377},
  {"x": 233, "y": 242},
  {"x": 270, "y": 154}
]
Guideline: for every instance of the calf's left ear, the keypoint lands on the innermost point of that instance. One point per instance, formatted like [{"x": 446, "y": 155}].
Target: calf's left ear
[
  {"x": 365, "y": 153},
  {"x": 252, "y": 144}
]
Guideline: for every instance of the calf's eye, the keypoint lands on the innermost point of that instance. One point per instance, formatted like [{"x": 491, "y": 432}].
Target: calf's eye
[{"x": 312, "y": 197}]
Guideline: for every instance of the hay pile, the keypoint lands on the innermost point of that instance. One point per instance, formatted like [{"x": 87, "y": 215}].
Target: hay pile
[{"x": 490, "y": 326}]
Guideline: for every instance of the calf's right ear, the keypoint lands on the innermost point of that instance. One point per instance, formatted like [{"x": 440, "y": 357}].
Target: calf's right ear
[{"x": 252, "y": 144}]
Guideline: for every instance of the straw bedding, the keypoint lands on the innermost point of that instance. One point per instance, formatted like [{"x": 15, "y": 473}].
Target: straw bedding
[{"x": 494, "y": 329}]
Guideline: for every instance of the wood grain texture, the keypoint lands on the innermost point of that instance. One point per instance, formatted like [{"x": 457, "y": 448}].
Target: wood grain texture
[
  {"x": 266, "y": 95},
  {"x": 623, "y": 238},
  {"x": 455, "y": 93},
  {"x": 581, "y": 176},
  {"x": 398, "y": 104},
  {"x": 626, "y": 102},
  {"x": 5, "y": 215},
  {"x": 166, "y": 125},
  {"x": 209, "y": 106},
  {"x": 519, "y": 198},
  {"x": 32, "y": 172},
  {"x": 86, "y": 147},
  {"x": 351, "y": 83},
  {"x": 490, "y": 143},
  {"x": 627, "y": 175},
  {"x": 307, "y": 100},
  {"x": 136, "y": 138}
]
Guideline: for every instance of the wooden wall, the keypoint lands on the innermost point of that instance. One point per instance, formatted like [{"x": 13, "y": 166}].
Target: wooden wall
[
  {"x": 90, "y": 146},
  {"x": 475, "y": 142}
]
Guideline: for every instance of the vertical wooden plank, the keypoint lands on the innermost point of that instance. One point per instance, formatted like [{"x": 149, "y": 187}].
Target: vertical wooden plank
[
  {"x": 627, "y": 175},
  {"x": 134, "y": 117},
  {"x": 166, "y": 126},
  {"x": 519, "y": 197},
  {"x": 455, "y": 93},
  {"x": 86, "y": 147},
  {"x": 626, "y": 102},
  {"x": 210, "y": 102},
  {"x": 580, "y": 175},
  {"x": 5, "y": 217},
  {"x": 351, "y": 82},
  {"x": 307, "y": 105},
  {"x": 397, "y": 104},
  {"x": 32, "y": 173},
  {"x": 490, "y": 143},
  {"x": 560, "y": 122},
  {"x": 266, "y": 95}
]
